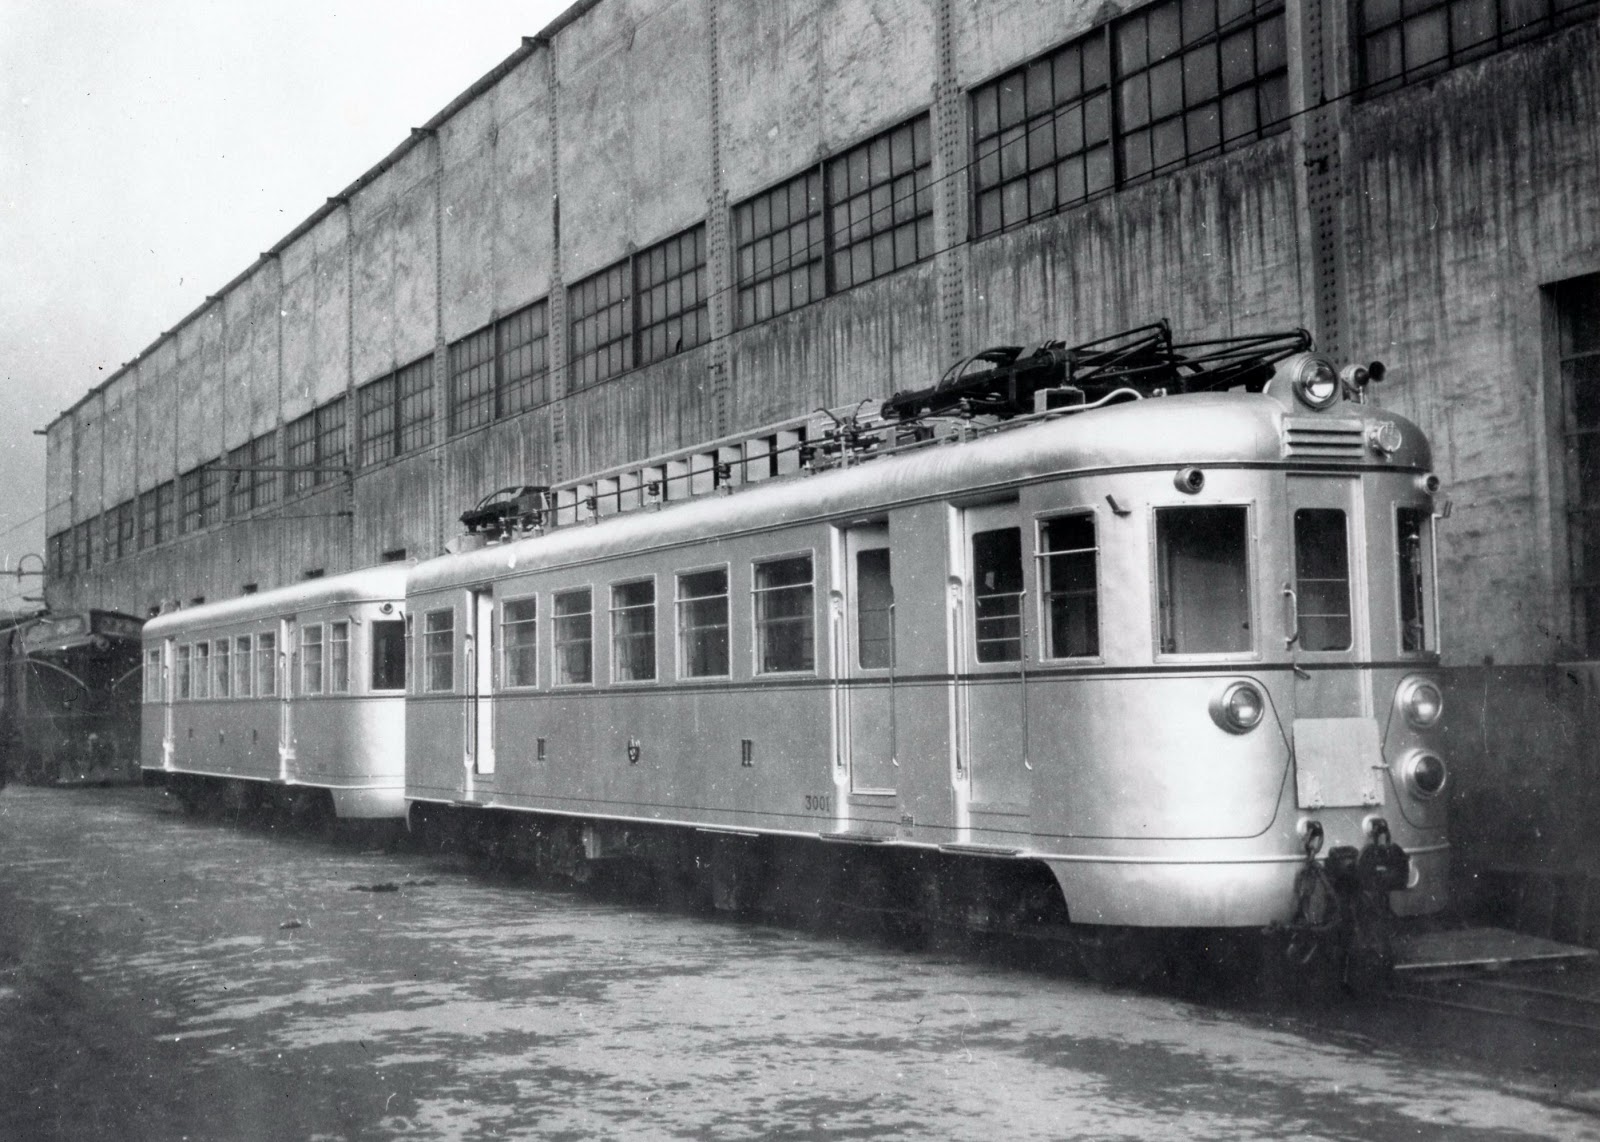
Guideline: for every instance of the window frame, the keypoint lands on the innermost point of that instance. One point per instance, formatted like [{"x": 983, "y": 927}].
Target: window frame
[
  {"x": 222, "y": 668},
  {"x": 243, "y": 666},
  {"x": 266, "y": 664},
  {"x": 1044, "y": 575},
  {"x": 756, "y": 624},
  {"x": 1363, "y": 33},
  {"x": 374, "y": 659},
  {"x": 154, "y": 691},
  {"x": 431, "y": 656},
  {"x": 679, "y": 608},
  {"x": 1252, "y": 543},
  {"x": 506, "y": 645},
  {"x": 304, "y": 641},
  {"x": 200, "y": 668},
  {"x": 336, "y": 684},
  {"x": 613, "y": 611},
  {"x": 557, "y": 643}
]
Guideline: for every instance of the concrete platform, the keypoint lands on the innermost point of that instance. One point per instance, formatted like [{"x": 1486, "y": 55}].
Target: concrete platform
[{"x": 1480, "y": 947}]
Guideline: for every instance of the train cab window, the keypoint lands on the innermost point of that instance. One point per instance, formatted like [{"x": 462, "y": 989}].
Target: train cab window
[
  {"x": 439, "y": 650},
  {"x": 633, "y": 631},
  {"x": 201, "y": 682},
  {"x": 222, "y": 669},
  {"x": 1202, "y": 568},
  {"x": 182, "y": 670},
  {"x": 874, "y": 610},
  {"x": 152, "y": 674},
  {"x": 311, "y": 661},
  {"x": 1322, "y": 578},
  {"x": 388, "y": 654},
  {"x": 703, "y": 623},
  {"x": 574, "y": 637},
  {"x": 1412, "y": 543},
  {"x": 997, "y": 594},
  {"x": 241, "y": 666},
  {"x": 339, "y": 658},
  {"x": 266, "y": 665},
  {"x": 784, "y": 622},
  {"x": 1069, "y": 555}
]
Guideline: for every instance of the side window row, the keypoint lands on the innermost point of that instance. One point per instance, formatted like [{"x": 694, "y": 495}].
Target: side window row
[{"x": 245, "y": 666}]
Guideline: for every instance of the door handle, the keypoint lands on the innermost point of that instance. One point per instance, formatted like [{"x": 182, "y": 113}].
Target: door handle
[{"x": 1292, "y": 611}]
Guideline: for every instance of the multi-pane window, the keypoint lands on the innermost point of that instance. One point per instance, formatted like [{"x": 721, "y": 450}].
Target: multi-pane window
[
  {"x": 266, "y": 665},
  {"x": 439, "y": 650},
  {"x": 189, "y": 485},
  {"x": 500, "y": 370},
  {"x": 633, "y": 631},
  {"x": 127, "y": 527},
  {"x": 201, "y": 681},
  {"x": 1170, "y": 84},
  {"x": 315, "y": 445},
  {"x": 778, "y": 247},
  {"x": 703, "y": 623},
  {"x": 397, "y": 412},
  {"x": 181, "y": 668},
  {"x": 784, "y": 617},
  {"x": 239, "y": 483},
  {"x": 880, "y": 205},
  {"x": 152, "y": 674},
  {"x": 147, "y": 519},
  {"x": 997, "y": 594},
  {"x": 83, "y": 545},
  {"x": 222, "y": 667},
  {"x": 339, "y": 658},
  {"x": 263, "y": 481},
  {"x": 520, "y": 638},
  {"x": 670, "y": 288},
  {"x": 1322, "y": 579},
  {"x": 311, "y": 659},
  {"x": 166, "y": 511},
  {"x": 388, "y": 654},
  {"x": 1577, "y": 312},
  {"x": 242, "y": 671},
  {"x": 1203, "y": 580},
  {"x": 1400, "y": 42},
  {"x": 211, "y": 485},
  {"x": 56, "y": 554},
  {"x": 1068, "y": 554},
  {"x": 598, "y": 310},
  {"x": 574, "y": 637}
]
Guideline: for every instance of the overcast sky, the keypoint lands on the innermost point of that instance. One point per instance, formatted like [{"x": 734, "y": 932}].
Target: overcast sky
[{"x": 150, "y": 150}]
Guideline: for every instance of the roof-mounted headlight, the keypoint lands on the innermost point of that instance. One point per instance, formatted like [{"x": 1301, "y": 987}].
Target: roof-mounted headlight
[{"x": 1316, "y": 382}]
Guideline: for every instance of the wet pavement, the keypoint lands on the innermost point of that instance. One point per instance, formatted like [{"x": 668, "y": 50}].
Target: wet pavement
[{"x": 163, "y": 977}]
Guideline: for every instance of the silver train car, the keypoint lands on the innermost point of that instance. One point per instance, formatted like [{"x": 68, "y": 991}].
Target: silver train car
[
  {"x": 297, "y": 689},
  {"x": 1176, "y": 643}
]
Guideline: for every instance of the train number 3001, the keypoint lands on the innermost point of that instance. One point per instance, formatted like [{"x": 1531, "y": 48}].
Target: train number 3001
[{"x": 818, "y": 802}]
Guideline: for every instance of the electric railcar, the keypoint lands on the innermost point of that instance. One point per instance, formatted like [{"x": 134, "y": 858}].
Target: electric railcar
[
  {"x": 1172, "y": 648},
  {"x": 299, "y": 688}
]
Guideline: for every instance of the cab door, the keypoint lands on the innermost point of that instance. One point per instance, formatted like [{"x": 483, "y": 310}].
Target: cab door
[
  {"x": 993, "y": 687},
  {"x": 480, "y": 683},
  {"x": 169, "y": 732},
  {"x": 869, "y": 666},
  {"x": 1338, "y": 758},
  {"x": 285, "y": 674}
]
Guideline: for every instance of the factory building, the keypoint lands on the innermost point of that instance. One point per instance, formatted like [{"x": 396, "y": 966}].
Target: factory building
[{"x": 662, "y": 232}]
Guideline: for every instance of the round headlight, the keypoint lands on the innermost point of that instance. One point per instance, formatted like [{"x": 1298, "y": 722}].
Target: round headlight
[
  {"x": 1421, "y": 702},
  {"x": 1425, "y": 774},
  {"x": 1238, "y": 708},
  {"x": 1316, "y": 383}
]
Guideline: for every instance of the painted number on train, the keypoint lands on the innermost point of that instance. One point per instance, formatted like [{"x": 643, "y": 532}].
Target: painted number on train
[{"x": 818, "y": 803}]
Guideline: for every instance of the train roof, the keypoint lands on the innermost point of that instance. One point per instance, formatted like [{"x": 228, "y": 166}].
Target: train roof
[
  {"x": 371, "y": 584},
  {"x": 1198, "y": 429}
]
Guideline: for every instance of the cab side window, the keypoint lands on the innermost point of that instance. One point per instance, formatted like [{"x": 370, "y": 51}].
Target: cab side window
[{"x": 1202, "y": 571}]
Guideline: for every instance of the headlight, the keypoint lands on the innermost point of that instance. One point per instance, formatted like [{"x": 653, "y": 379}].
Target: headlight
[
  {"x": 1424, "y": 773},
  {"x": 1421, "y": 702},
  {"x": 1316, "y": 383},
  {"x": 1238, "y": 707}
]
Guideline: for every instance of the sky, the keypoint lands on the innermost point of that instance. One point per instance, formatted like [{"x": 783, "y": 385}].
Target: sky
[{"x": 150, "y": 150}]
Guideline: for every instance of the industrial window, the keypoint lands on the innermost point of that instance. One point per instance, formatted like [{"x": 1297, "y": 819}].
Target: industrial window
[
  {"x": 300, "y": 438},
  {"x": 127, "y": 527},
  {"x": 311, "y": 659},
  {"x": 1202, "y": 568},
  {"x": 1577, "y": 313},
  {"x": 55, "y": 554},
  {"x": 874, "y": 610},
  {"x": 997, "y": 594},
  {"x": 222, "y": 669},
  {"x": 1401, "y": 42},
  {"x": 181, "y": 668},
  {"x": 520, "y": 637},
  {"x": 1069, "y": 555},
  {"x": 601, "y": 329},
  {"x": 778, "y": 248},
  {"x": 396, "y": 412},
  {"x": 785, "y": 640},
  {"x": 242, "y": 673},
  {"x": 152, "y": 674},
  {"x": 670, "y": 285},
  {"x": 166, "y": 511},
  {"x": 211, "y": 485},
  {"x": 238, "y": 479},
  {"x": 1322, "y": 579},
  {"x": 1188, "y": 78},
  {"x": 880, "y": 205},
  {"x": 439, "y": 650},
  {"x": 339, "y": 658},
  {"x": 83, "y": 545},
  {"x": 500, "y": 370},
  {"x": 189, "y": 490},
  {"x": 633, "y": 631},
  {"x": 264, "y": 483},
  {"x": 315, "y": 443},
  {"x": 388, "y": 654},
  {"x": 266, "y": 665},
  {"x": 201, "y": 682},
  {"x": 574, "y": 637},
  {"x": 106, "y": 526},
  {"x": 147, "y": 519},
  {"x": 703, "y": 623}
]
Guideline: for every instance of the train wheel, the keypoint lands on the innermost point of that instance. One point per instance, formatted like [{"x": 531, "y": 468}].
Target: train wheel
[{"x": 737, "y": 873}]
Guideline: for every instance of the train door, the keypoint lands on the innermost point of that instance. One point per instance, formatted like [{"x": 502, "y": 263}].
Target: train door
[
  {"x": 868, "y": 642},
  {"x": 169, "y": 739},
  {"x": 480, "y": 683},
  {"x": 284, "y": 670},
  {"x": 994, "y": 662},
  {"x": 1338, "y": 758}
]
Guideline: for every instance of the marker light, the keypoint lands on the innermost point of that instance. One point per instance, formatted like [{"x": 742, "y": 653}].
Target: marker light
[
  {"x": 1316, "y": 383},
  {"x": 1238, "y": 708},
  {"x": 1424, "y": 773},
  {"x": 1421, "y": 702}
]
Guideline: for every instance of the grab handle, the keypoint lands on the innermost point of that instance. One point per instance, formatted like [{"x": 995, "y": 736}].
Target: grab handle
[{"x": 1293, "y": 609}]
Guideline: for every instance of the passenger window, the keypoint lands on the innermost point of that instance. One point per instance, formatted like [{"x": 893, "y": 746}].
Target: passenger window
[
  {"x": 311, "y": 659},
  {"x": 1202, "y": 563},
  {"x": 266, "y": 665},
  {"x": 633, "y": 631},
  {"x": 202, "y": 670},
  {"x": 439, "y": 650},
  {"x": 574, "y": 637},
  {"x": 338, "y": 658},
  {"x": 785, "y": 641},
  {"x": 388, "y": 654},
  {"x": 520, "y": 636},
  {"x": 1411, "y": 542},
  {"x": 185, "y": 680},
  {"x": 1071, "y": 586},
  {"x": 1322, "y": 578},
  {"x": 874, "y": 610},
  {"x": 152, "y": 674},
  {"x": 703, "y": 623},
  {"x": 241, "y": 667},
  {"x": 222, "y": 664},
  {"x": 997, "y": 594}
]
